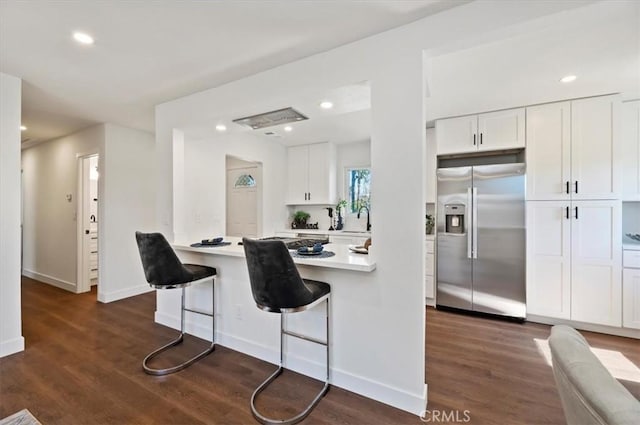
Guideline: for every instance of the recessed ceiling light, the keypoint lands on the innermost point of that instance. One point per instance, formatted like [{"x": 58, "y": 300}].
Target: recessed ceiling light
[
  {"x": 221, "y": 127},
  {"x": 23, "y": 128},
  {"x": 83, "y": 38},
  {"x": 326, "y": 105},
  {"x": 568, "y": 78},
  {"x": 288, "y": 129}
]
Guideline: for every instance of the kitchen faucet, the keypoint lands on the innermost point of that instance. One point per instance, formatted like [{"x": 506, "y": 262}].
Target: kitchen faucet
[{"x": 368, "y": 221}]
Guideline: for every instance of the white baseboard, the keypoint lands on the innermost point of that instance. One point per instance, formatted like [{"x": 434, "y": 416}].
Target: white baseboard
[
  {"x": 11, "y": 346},
  {"x": 626, "y": 332},
  {"x": 413, "y": 403},
  {"x": 107, "y": 297},
  {"x": 59, "y": 283},
  {"x": 431, "y": 302}
]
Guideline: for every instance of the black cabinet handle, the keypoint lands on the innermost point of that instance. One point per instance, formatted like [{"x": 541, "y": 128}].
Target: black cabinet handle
[
  {"x": 568, "y": 184},
  {"x": 309, "y": 195},
  {"x": 480, "y": 138},
  {"x": 474, "y": 140},
  {"x": 576, "y": 186},
  {"x": 576, "y": 213},
  {"x": 566, "y": 213},
  {"x": 305, "y": 196}
]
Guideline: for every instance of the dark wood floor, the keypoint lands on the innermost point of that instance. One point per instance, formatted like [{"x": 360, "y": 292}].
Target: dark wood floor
[{"x": 82, "y": 366}]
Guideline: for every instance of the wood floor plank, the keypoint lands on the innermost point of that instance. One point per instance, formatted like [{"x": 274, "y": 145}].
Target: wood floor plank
[{"x": 83, "y": 366}]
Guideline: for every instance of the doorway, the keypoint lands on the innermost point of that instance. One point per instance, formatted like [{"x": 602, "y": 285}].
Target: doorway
[
  {"x": 87, "y": 218},
  {"x": 243, "y": 197}
]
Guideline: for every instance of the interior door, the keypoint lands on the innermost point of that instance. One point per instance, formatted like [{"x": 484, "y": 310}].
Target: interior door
[
  {"x": 454, "y": 255},
  {"x": 242, "y": 202},
  {"x": 499, "y": 239}
]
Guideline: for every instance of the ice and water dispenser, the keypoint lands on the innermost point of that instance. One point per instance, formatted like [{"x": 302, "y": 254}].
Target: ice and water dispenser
[{"x": 454, "y": 218}]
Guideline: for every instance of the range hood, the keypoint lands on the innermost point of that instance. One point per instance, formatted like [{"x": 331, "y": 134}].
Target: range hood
[{"x": 269, "y": 119}]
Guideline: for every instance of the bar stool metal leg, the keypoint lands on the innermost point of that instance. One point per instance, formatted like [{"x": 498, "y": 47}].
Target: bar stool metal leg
[
  {"x": 299, "y": 417},
  {"x": 180, "y": 339}
]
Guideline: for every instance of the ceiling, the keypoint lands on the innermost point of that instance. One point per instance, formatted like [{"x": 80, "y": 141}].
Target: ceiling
[
  {"x": 349, "y": 120},
  {"x": 600, "y": 44},
  {"x": 147, "y": 53}
]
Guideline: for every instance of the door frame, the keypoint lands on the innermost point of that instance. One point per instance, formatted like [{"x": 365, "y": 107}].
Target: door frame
[{"x": 83, "y": 280}]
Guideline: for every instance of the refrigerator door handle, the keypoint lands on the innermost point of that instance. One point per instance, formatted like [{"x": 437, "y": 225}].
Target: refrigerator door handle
[
  {"x": 474, "y": 221},
  {"x": 469, "y": 231}
]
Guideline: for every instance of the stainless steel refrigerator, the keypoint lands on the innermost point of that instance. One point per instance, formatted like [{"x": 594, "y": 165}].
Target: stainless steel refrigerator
[{"x": 481, "y": 239}]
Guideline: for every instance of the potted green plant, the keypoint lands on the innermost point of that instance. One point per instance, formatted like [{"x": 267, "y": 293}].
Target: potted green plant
[
  {"x": 300, "y": 220},
  {"x": 430, "y": 221}
]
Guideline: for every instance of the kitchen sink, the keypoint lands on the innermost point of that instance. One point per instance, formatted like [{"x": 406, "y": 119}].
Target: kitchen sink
[{"x": 355, "y": 232}]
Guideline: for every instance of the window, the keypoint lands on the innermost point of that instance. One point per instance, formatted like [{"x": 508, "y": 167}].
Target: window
[
  {"x": 245, "y": 180},
  {"x": 358, "y": 188}
]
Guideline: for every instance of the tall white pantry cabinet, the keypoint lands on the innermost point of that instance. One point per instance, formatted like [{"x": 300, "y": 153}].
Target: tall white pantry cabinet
[{"x": 574, "y": 257}]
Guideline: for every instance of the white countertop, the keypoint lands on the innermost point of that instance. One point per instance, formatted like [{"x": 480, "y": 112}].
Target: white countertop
[
  {"x": 344, "y": 259},
  {"x": 630, "y": 244}
]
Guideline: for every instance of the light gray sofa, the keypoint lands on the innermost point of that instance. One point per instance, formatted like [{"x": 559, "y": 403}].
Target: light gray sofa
[{"x": 589, "y": 394}]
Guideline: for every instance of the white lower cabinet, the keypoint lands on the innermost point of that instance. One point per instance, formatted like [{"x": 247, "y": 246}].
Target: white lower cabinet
[
  {"x": 429, "y": 281},
  {"x": 631, "y": 289},
  {"x": 574, "y": 264},
  {"x": 548, "y": 259},
  {"x": 631, "y": 297}
]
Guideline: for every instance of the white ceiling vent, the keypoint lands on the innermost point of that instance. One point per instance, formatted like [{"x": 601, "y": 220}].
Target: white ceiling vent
[{"x": 269, "y": 119}]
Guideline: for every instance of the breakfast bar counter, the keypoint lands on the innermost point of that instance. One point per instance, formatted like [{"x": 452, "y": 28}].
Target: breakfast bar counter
[
  {"x": 343, "y": 259},
  {"x": 241, "y": 326}
]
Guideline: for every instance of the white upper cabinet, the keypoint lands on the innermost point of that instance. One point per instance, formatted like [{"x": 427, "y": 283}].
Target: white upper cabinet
[
  {"x": 297, "y": 174},
  {"x": 501, "y": 130},
  {"x": 549, "y": 151},
  {"x": 595, "y": 166},
  {"x": 311, "y": 174},
  {"x": 573, "y": 150},
  {"x": 631, "y": 151},
  {"x": 431, "y": 166},
  {"x": 485, "y": 132},
  {"x": 457, "y": 135}
]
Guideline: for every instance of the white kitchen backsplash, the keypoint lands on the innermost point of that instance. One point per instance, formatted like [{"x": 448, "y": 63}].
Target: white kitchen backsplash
[
  {"x": 320, "y": 215},
  {"x": 631, "y": 217}
]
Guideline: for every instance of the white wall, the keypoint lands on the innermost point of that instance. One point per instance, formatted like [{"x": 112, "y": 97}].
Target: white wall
[
  {"x": 50, "y": 173},
  {"x": 203, "y": 197},
  {"x": 126, "y": 194},
  {"x": 387, "y": 348},
  {"x": 11, "y": 340},
  {"x": 127, "y": 176},
  {"x": 631, "y": 217}
]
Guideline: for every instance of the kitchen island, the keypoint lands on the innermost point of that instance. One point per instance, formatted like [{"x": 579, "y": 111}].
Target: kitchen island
[{"x": 241, "y": 326}]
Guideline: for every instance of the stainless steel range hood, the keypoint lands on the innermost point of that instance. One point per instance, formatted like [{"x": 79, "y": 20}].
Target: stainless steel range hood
[{"x": 269, "y": 119}]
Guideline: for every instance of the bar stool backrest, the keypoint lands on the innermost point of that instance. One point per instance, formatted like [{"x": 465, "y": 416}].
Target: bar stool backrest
[
  {"x": 275, "y": 281},
  {"x": 161, "y": 264}
]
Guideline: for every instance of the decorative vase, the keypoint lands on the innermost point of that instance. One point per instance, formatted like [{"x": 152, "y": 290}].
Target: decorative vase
[{"x": 428, "y": 228}]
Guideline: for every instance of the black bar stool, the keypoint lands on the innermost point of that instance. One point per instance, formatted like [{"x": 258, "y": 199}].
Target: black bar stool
[
  {"x": 163, "y": 270},
  {"x": 278, "y": 288}
]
